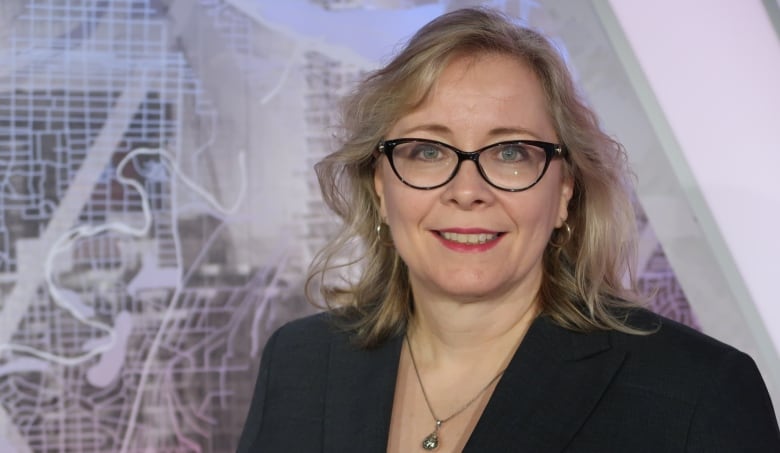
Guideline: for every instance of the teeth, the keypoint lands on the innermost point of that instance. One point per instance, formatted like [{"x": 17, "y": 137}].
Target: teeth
[{"x": 468, "y": 238}]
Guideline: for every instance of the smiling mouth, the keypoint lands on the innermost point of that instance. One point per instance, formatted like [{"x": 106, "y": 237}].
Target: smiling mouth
[{"x": 480, "y": 238}]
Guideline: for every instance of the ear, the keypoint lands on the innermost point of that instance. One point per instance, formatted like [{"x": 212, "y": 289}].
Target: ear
[
  {"x": 567, "y": 190},
  {"x": 379, "y": 188}
]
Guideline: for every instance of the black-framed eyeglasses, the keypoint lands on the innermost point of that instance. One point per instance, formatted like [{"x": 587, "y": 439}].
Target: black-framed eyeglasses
[{"x": 513, "y": 166}]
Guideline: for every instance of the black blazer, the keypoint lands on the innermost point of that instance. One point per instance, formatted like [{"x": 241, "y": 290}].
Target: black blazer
[{"x": 675, "y": 390}]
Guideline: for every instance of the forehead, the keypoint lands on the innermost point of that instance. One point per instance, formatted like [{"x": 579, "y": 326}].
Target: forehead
[{"x": 479, "y": 93}]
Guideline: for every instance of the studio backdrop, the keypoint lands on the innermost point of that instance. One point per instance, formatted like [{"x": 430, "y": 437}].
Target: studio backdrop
[{"x": 158, "y": 207}]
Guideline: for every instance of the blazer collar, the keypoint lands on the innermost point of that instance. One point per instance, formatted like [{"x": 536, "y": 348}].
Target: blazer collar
[
  {"x": 359, "y": 399},
  {"x": 552, "y": 383}
]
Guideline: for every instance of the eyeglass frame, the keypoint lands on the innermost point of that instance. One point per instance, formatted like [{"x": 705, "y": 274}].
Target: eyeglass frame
[{"x": 551, "y": 151}]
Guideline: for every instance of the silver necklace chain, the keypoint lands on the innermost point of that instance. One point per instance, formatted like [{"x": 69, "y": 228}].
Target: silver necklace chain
[{"x": 431, "y": 441}]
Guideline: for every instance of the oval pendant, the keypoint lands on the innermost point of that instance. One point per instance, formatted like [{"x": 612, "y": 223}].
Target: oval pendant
[{"x": 431, "y": 441}]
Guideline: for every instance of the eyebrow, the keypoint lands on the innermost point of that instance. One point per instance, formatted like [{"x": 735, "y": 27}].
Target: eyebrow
[
  {"x": 512, "y": 131},
  {"x": 436, "y": 128},
  {"x": 499, "y": 131}
]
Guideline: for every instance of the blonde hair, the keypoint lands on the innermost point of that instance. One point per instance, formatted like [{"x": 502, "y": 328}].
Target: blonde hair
[{"x": 582, "y": 287}]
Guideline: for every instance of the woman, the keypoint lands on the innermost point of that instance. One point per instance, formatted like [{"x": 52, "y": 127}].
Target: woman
[{"x": 490, "y": 313}]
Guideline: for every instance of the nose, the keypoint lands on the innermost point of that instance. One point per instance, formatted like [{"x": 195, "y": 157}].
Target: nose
[{"x": 468, "y": 189}]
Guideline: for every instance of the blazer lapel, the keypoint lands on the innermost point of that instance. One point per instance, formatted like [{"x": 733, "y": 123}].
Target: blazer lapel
[
  {"x": 547, "y": 392},
  {"x": 359, "y": 399}
]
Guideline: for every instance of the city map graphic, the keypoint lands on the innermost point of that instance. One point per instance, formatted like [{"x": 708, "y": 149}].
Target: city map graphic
[{"x": 157, "y": 214}]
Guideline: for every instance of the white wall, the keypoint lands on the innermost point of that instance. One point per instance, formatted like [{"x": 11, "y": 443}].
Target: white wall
[{"x": 714, "y": 70}]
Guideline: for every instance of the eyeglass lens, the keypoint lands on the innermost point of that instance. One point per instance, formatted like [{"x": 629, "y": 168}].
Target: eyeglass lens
[{"x": 512, "y": 166}]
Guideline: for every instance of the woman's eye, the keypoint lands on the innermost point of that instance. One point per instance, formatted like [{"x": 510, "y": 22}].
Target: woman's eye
[
  {"x": 512, "y": 153},
  {"x": 426, "y": 152}
]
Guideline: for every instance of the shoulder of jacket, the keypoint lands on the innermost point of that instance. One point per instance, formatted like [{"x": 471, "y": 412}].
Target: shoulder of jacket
[
  {"x": 669, "y": 336},
  {"x": 313, "y": 332},
  {"x": 672, "y": 351}
]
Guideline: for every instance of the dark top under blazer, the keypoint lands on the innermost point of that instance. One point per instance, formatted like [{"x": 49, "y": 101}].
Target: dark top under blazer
[{"x": 675, "y": 390}]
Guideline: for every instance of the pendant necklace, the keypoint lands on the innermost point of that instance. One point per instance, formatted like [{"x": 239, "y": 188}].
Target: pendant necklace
[{"x": 431, "y": 441}]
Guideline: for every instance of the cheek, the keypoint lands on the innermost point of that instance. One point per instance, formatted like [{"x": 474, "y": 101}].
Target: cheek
[
  {"x": 400, "y": 207},
  {"x": 558, "y": 191},
  {"x": 390, "y": 193},
  {"x": 539, "y": 212},
  {"x": 406, "y": 210}
]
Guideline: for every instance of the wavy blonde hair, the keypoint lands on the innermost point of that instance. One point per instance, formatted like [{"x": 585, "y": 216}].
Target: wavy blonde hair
[{"x": 582, "y": 287}]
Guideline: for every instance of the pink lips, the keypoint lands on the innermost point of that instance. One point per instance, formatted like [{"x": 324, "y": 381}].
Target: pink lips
[{"x": 468, "y": 239}]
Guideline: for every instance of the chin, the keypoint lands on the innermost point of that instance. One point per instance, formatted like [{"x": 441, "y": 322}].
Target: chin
[{"x": 473, "y": 293}]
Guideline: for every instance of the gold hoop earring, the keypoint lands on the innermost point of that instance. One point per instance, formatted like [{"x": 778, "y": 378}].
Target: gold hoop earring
[
  {"x": 556, "y": 241},
  {"x": 385, "y": 238}
]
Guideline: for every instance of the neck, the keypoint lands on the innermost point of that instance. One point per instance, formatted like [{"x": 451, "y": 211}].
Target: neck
[{"x": 447, "y": 331}]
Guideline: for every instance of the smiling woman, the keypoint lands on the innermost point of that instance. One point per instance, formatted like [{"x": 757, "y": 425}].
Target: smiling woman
[
  {"x": 476, "y": 101},
  {"x": 490, "y": 313}
]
